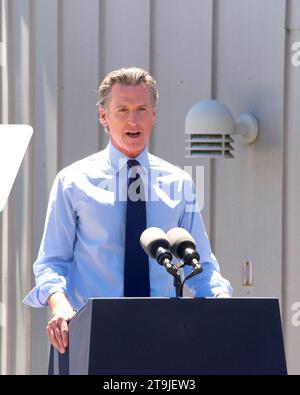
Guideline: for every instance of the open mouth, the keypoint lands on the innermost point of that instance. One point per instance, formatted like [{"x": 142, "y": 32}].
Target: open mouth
[{"x": 133, "y": 134}]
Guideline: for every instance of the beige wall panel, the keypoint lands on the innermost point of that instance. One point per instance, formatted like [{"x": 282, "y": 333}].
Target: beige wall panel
[
  {"x": 293, "y": 15},
  {"x": 78, "y": 65},
  {"x": 16, "y": 241},
  {"x": 66, "y": 128},
  {"x": 6, "y": 215},
  {"x": 124, "y": 34},
  {"x": 291, "y": 194},
  {"x": 181, "y": 61},
  {"x": 248, "y": 188},
  {"x": 44, "y": 71},
  {"x": 124, "y": 38},
  {"x": 21, "y": 242}
]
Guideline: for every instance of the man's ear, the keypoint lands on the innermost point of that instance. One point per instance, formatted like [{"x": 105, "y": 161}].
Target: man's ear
[
  {"x": 103, "y": 117},
  {"x": 154, "y": 116}
]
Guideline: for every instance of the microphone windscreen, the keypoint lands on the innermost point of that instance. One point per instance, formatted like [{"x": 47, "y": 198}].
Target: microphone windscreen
[
  {"x": 153, "y": 238},
  {"x": 179, "y": 237}
]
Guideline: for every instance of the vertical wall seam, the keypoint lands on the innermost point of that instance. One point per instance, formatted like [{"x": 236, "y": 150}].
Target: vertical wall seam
[
  {"x": 1, "y": 67},
  {"x": 151, "y": 45},
  {"x": 60, "y": 87},
  {"x": 284, "y": 170},
  {"x": 7, "y": 214},
  {"x": 214, "y": 66},
  {"x": 101, "y": 64},
  {"x": 31, "y": 117}
]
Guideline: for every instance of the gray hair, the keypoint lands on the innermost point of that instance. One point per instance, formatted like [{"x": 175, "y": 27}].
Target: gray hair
[{"x": 130, "y": 76}]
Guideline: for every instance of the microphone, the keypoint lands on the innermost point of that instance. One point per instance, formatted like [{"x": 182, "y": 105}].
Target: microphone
[
  {"x": 183, "y": 246},
  {"x": 155, "y": 243}
]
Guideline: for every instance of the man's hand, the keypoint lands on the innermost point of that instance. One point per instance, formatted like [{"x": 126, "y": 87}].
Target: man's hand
[{"x": 57, "y": 327}]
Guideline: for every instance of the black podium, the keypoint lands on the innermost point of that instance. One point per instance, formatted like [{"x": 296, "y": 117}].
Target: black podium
[{"x": 174, "y": 336}]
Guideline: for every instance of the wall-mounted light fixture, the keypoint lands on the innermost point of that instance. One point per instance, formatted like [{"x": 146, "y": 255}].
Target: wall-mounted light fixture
[{"x": 209, "y": 126}]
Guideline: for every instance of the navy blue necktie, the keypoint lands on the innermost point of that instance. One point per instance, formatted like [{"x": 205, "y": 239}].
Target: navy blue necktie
[{"x": 136, "y": 266}]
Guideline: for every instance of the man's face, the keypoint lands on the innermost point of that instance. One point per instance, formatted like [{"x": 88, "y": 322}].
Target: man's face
[{"x": 129, "y": 118}]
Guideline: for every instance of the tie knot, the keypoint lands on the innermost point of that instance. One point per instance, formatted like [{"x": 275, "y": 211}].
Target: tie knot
[{"x": 132, "y": 163}]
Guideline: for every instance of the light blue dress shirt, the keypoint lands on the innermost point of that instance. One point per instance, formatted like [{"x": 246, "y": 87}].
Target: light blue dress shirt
[{"x": 82, "y": 249}]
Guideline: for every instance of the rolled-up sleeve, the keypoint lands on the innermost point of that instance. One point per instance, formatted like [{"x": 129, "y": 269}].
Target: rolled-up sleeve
[
  {"x": 210, "y": 282},
  {"x": 56, "y": 251}
]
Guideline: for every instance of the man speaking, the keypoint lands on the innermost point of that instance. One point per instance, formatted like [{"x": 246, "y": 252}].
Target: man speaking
[{"x": 100, "y": 205}]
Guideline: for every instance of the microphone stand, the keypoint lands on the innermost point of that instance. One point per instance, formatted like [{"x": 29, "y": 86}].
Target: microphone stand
[
  {"x": 164, "y": 258},
  {"x": 178, "y": 286},
  {"x": 195, "y": 271},
  {"x": 173, "y": 270},
  {"x": 197, "y": 268}
]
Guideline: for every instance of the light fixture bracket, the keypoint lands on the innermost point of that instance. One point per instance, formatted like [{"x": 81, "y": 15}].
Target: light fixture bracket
[{"x": 246, "y": 128}]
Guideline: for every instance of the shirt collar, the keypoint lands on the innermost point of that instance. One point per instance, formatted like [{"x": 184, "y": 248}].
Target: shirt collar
[{"x": 118, "y": 159}]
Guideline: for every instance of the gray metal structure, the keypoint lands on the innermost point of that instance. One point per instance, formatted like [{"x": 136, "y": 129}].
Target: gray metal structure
[{"x": 240, "y": 52}]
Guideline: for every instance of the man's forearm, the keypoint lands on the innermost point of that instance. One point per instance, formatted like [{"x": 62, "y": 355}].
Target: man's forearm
[{"x": 58, "y": 301}]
